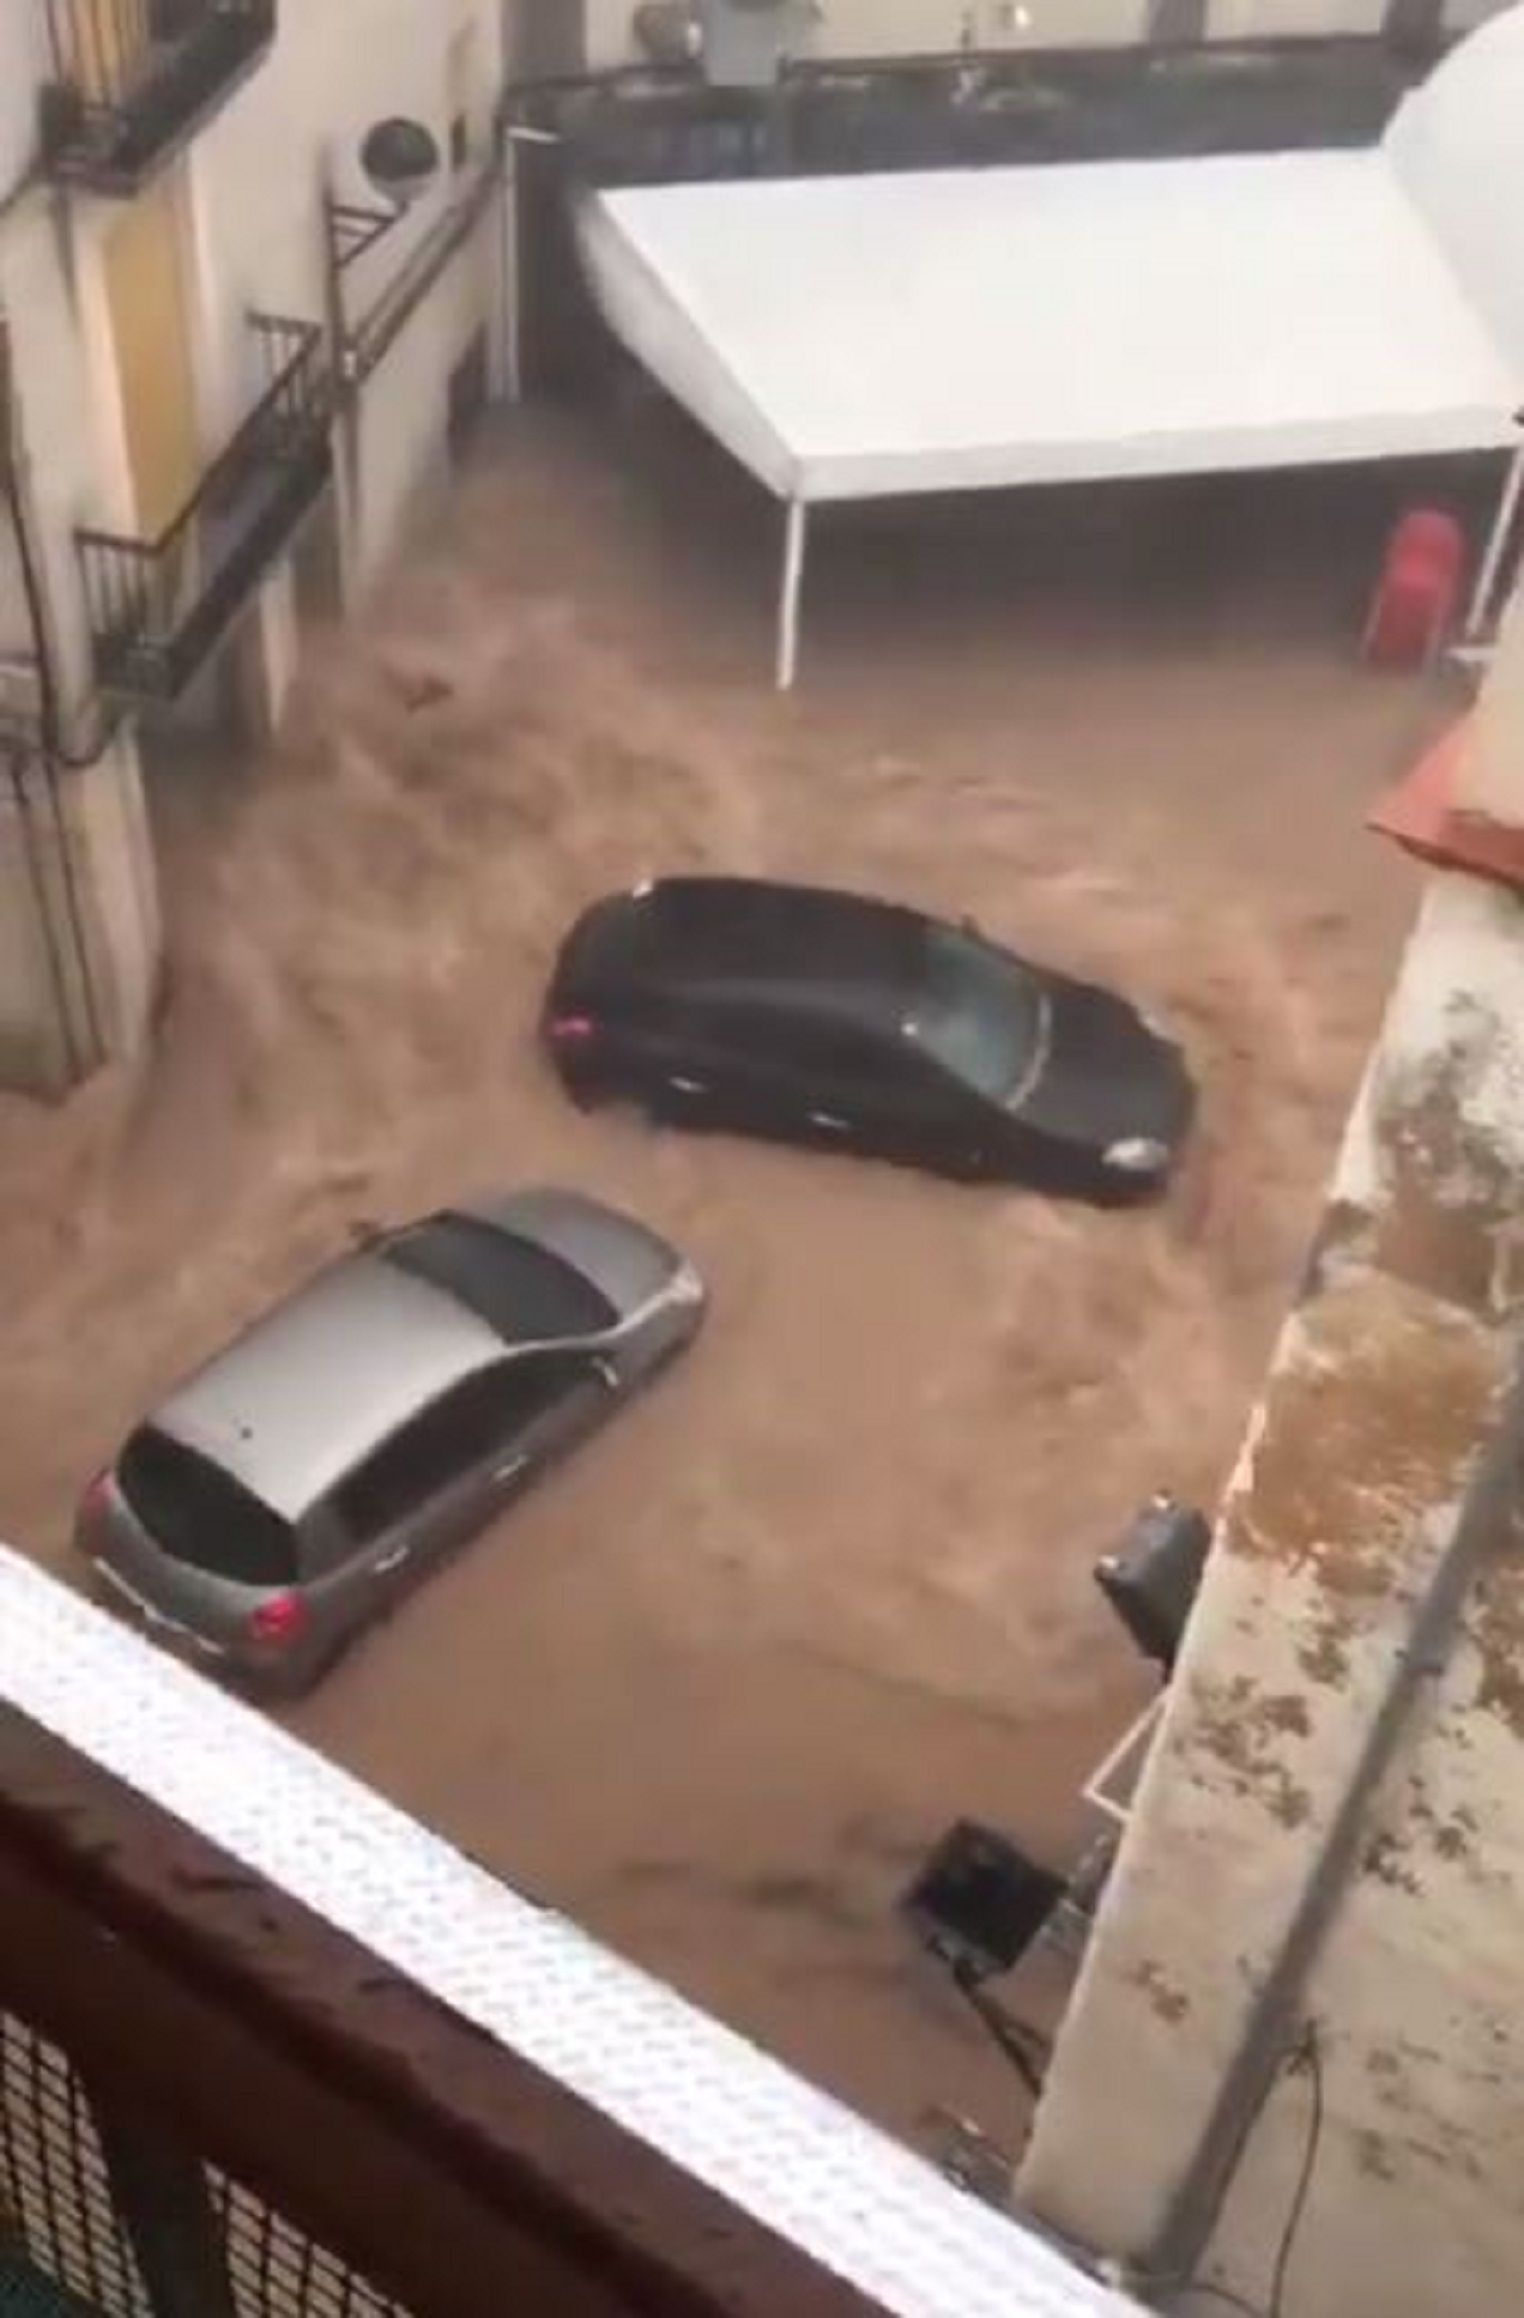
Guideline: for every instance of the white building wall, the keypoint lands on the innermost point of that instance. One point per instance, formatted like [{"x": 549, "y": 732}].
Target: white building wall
[
  {"x": 337, "y": 69},
  {"x": 1389, "y": 1379},
  {"x": 909, "y": 27},
  {"x": 252, "y": 181},
  {"x": 104, "y": 896},
  {"x": 22, "y": 49}
]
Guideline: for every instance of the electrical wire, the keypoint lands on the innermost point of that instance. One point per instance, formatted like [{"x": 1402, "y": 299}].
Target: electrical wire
[
  {"x": 1306, "y": 2055},
  {"x": 1309, "y": 2056}
]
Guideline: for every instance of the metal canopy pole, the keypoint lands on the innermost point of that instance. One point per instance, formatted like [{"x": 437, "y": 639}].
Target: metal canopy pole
[
  {"x": 1497, "y": 547},
  {"x": 795, "y": 542}
]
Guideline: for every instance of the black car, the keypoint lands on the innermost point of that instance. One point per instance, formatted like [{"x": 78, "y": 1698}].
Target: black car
[{"x": 828, "y": 1019}]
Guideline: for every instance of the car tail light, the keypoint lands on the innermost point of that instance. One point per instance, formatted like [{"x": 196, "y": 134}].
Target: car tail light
[
  {"x": 278, "y": 1621},
  {"x": 95, "y": 1505},
  {"x": 573, "y": 1029}
]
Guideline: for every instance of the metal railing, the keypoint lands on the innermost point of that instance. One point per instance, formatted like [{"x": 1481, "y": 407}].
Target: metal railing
[
  {"x": 158, "y": 606},
  {"x": 57, "y": 2212},
  {"x": 131, "y": 77},
  {"x": 68, "y": 2217}
]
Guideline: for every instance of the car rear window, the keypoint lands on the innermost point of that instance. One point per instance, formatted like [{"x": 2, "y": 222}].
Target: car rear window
[
  {"x": 522, "y": 1291},
  {"x": 199, "y": 1515}
]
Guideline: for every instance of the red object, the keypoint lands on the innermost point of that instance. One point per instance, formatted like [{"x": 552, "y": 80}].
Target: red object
[
  {"x": 278, "y": 1620},
  {"x": 1422, "y": 814},
  {"x": 1415, "y": 601}
]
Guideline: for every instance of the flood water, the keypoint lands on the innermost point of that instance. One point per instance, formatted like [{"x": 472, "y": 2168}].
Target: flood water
[{"x": 715, "y": 1688}]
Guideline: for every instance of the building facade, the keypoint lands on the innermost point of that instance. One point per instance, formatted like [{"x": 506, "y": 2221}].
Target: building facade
[
  {"x": 864, "y": 28},
  {"x": 1308, "y": 1953},
  {"x": 231, "y": 365}
]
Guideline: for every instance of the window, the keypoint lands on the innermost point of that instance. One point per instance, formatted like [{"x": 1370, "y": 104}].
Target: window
[
  {"x": 521, "y": 1290},
  {"x": 980, "y": 1015},
  {"x": 478, "y": 1419},
  {"x": 199, "y": 1515}
]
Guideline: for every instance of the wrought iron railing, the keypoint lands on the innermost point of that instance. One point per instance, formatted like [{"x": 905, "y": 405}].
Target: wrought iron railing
[
  {"x": 132, "y": 78},
  {"x": 158, "y": 606}
]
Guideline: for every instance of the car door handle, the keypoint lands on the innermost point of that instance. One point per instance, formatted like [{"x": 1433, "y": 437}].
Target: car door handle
[
  {"x": 829, "y": 1121},
  {"x": 682, "y": 1086},
  {"x": 391, "y": 1562},
  {"x": 509, "y": 1471}
]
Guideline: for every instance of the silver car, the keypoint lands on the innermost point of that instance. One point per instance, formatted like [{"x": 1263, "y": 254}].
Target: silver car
[{"x": 294, "y": 1488}]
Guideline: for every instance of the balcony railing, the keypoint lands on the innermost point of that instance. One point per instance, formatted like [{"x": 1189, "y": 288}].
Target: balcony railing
[
  {"x": 132, "y": 79},
  {"x": 158, "y": 607}
]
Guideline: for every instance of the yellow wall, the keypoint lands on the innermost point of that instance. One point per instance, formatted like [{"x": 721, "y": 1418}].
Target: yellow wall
[{"x": 145, "y": 290}]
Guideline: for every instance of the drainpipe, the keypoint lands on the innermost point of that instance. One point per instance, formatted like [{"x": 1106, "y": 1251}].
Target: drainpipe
[{"x": 1276, "y": 2019}]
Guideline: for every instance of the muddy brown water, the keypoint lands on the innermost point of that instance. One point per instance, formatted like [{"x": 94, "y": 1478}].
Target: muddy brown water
[{"x": 718, "y": 1684}]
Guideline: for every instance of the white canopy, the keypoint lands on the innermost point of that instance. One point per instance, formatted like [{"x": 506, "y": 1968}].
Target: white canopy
[{"x": 852, "y": 337}]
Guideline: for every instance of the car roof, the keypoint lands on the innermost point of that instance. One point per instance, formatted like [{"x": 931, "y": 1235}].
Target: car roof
[
  {"x": 297, "y": 1400},
  {"x": 745, "y": 935}
]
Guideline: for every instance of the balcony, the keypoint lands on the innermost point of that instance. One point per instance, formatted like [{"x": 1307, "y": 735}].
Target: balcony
[
  {"x": 159, "y": 607},
  {"x": 133, "y": 79}
]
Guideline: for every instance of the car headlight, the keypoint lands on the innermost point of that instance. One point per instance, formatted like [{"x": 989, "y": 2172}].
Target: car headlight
[{"x": 1138, "y": 1155}]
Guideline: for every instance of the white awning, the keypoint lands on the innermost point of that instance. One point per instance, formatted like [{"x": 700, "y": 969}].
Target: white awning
[
  {"x": 850, "y": 337},
  {"x": 853, "y": 337}
]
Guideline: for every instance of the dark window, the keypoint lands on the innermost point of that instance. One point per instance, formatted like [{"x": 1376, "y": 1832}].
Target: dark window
[
  {"x": 460, "y": 141},
  {"x": 836, "y": 1052},
  {"x": 201, "y": 1516},
  {"x": 520, "y": 1290},
  {"x": 477, "y": 1420},
  {"x": 979, "y": 1014}
]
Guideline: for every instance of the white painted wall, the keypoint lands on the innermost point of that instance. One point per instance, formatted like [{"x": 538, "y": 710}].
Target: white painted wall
[
  {"x": 50, "y": 291},
  {"x": 48, "y": 270},
  {"x": 253, "y": 180},
  {"x": 911, "y": 27},
  {"x": 1387, "y": 1381},
  {"x": 906, "y": 27},
  {"x": 22, "y": 51},
  {"x": 257, "y": 175}
]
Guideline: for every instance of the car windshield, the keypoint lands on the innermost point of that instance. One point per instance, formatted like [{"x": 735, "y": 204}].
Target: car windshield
[
  {"x": 523, "y": 1292},
  {"x": 980, "y": 1015}
]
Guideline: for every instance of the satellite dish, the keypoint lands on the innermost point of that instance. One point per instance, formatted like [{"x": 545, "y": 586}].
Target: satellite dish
[{"x": 401, "y": 158}]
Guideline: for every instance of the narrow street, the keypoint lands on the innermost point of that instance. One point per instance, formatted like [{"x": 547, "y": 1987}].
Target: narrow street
[{"x": 715, "y": 1689}]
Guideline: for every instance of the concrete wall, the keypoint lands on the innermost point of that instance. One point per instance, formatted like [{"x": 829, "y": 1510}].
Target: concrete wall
[{"x": 1389, "y": 1379}]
